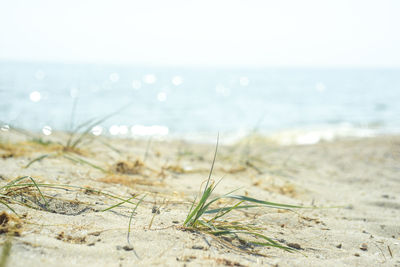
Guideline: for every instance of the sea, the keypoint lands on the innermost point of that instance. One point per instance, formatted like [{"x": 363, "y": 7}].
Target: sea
[{"x": 289, "y": 105}]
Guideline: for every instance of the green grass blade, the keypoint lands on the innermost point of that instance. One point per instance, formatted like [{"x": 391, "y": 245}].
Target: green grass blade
[
  {"x": 91, "y": 125},
  {"x": 267, "y": 203},
  {"x": 202, "y": 206},
  {"x": 40, "y": 192},
  {"x": 219, "y": 215},
  {"x": 130, "y": 218},
  {"x": 36, "y": 159},
  {"x": 205, "y": 206},
  {"x": 13, "y": 182},
  {"x": 5, "y": 204},
  {"x": 199, "y": 207},
  {"x": 19, "y": 202},
  {"x": 82, "y": 161},
  {"x": 226, "y": 208},
  {"x": 119, "y": 204},
  {"x": 208, "y": 225},
  {"x": 270, "y": 242},
  {"x": 191, "y": 207},
  {"x": 213, "y": 162},
  {"x": 65, "y": 186},
  {"x": 203, "y": 199},
  {"x": 76, "y": 130}
]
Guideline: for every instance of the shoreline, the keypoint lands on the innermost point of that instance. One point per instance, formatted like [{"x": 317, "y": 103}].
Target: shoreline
[
  {"x": 359, "y": 177},
  {"x": 307, "y": 135}
]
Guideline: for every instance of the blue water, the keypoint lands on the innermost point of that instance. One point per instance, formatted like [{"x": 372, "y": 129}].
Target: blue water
[{"x": 202, "y": 100}]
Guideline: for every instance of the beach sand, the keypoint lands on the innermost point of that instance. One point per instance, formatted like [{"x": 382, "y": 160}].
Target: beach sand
[{"x": 354, "y": 183}]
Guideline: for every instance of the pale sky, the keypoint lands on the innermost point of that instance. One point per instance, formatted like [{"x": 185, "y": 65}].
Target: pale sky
[{"x": 343, "y": 33}]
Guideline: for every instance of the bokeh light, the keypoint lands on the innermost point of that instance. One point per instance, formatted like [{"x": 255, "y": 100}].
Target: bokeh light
[
  {"x": 123, "y": 129},
  {"x": 35, "y": 96},
  {"x": 114, "y": 77},
  {"x": 47, "y": 130},
  {"x": 5, "y": 128},
  {"x": 149, "y": 78},
  {"x": 114, "y": 130},
  {"x": 97, "y": 130},
  {"x": 177, "y": 80}
]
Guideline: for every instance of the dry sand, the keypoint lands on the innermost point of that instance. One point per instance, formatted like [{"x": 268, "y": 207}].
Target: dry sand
[{"x": 356, "y": 181}]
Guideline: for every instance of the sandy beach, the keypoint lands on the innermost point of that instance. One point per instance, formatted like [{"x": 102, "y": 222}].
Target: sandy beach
[{"x": 351, "y": 189}]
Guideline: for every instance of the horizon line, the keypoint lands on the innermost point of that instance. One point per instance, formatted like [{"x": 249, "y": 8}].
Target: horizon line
[{"x": 199, "y": 65}]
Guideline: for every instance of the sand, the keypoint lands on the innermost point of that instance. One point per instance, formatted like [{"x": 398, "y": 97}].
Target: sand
[{"x": 354, "y": 183}]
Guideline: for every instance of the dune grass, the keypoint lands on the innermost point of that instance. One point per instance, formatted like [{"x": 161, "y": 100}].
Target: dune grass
[
  {"x": 220, "y": 226},
  {"x": 77, "y": 137},
  {"x": 28, "y": 182}
]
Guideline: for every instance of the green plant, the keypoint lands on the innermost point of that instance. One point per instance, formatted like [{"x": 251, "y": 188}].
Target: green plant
[
  {"x": 217, "y": 227},
  {"x": 7, "y": 191},
  {"x": 76, "y": 137}
]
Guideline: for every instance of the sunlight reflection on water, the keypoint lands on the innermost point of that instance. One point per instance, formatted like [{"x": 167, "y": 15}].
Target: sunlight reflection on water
[
  {"x": 47, "y": 130},
  {"x": 191, "y": 101},
  {"x": 5, "y": 128},
  {"x": 149, "y": 78},
  {"x": 177, "y": 80},
  {"x": 114, "y": 77},
  {"x": 97, "y": 130},
  {"x": 35, "y": 96}
]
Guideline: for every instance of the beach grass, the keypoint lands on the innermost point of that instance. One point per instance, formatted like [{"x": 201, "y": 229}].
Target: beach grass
[
  {"x": 222, "y": 228},
  {"x": 78, "y": 136},
  {"x": 21, "y": 188}
]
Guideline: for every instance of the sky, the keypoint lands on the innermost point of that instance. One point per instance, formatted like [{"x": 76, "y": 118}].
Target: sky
[{"x": 316, "y": 33}]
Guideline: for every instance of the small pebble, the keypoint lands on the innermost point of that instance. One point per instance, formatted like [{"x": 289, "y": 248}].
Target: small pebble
[
  {"x": 339, "y": 246},
  {"x": 357, "y": 255},
  {"x": 364, "y": 247},
  {"x": 127, "y": 248},
  {"x": 155, "y": 210},
  {"x": 294, "y": 245},
  {"x": 197, "y": 247}
]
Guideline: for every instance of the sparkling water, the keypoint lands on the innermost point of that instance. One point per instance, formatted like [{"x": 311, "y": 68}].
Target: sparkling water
[{"x": 199, "y": 102}]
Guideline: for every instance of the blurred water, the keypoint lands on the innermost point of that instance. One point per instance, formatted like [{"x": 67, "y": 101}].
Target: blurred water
[{"x": 195, "y": 101}]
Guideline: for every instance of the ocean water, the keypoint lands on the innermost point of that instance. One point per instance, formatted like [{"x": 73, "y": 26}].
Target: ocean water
[{"x": 196, "y": 103}]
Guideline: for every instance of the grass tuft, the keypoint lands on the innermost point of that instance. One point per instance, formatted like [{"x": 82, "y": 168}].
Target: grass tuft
[
  {"x": 196, "y": 221},
  {"x": 77, "y": 137},
  {"x": 17, "y": 187}
]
